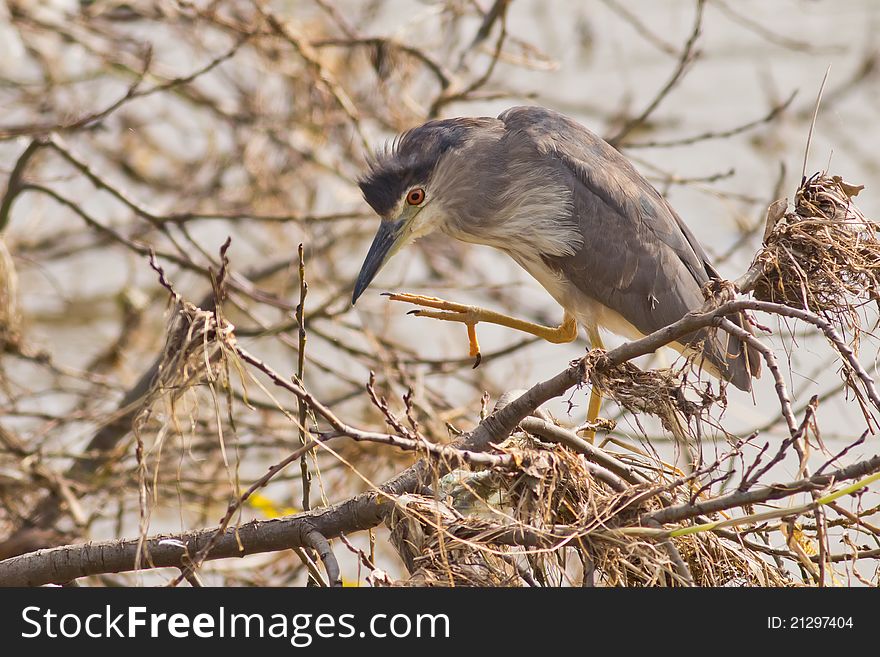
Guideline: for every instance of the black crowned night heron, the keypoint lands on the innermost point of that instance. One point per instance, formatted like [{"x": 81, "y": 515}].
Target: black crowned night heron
[{"x": 566, "y": 206}]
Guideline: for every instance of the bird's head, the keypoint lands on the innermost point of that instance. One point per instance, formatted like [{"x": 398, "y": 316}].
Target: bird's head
[{"x": 414, "y": 186}]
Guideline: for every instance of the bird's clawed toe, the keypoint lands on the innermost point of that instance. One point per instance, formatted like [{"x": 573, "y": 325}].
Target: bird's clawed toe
[
  {"x": 428, "y": 302},
  {"x": 448, "y": 311}
]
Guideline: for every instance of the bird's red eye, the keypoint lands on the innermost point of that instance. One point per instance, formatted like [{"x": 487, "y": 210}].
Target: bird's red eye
[{"x": 416, "y": 196}]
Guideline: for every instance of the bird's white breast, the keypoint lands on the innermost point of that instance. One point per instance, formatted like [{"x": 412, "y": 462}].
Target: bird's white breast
[
  {"x": 588, "y": 311},
  {"x": 591, "y": 313}
]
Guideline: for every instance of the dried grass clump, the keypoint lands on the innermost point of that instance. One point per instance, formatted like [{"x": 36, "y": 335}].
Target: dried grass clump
[
  {"x": 423, "y": 531},
  {"x": 663, "y": 393},
  {"x": 467, "y": 537},
  {"x": 196, "y": 340},
  {"x": 198, "y": 351},
  {"x": 535, "y": 523},
  {"x": 717, "y": 561},
  {"x": 824, "y": 256},
  {"x": 711, "y": 560},
  {"x": 199, "y": 347}
]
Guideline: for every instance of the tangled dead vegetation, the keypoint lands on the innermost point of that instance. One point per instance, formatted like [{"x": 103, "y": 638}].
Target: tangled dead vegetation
[
  {"x": 665, "y": 393},
  {"x": 197, "y": 346},
  {"x": 529, "y": 526},
  {"x": 824, "y": 256}
]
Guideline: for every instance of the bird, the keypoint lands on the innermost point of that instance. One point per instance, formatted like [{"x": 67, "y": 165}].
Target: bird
[{"x": 566, "y": 206}]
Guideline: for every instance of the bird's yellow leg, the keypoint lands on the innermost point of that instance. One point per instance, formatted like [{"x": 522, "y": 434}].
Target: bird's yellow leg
[
  {"x": 470, "y": 316},
  {"x": 595, "y": 394}
]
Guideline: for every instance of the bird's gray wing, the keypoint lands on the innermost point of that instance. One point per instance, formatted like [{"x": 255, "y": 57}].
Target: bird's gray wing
[{"x": 637, "y": 256}]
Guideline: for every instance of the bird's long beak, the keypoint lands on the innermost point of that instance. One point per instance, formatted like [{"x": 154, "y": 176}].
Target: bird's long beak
[{"x": 387, "y": 242}]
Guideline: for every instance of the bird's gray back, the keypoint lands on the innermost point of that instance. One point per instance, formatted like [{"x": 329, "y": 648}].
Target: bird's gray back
[{"x": 636, "y": 256}]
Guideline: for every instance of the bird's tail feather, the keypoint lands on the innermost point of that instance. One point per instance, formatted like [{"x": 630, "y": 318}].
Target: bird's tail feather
[{"x": 736, "y": 362}]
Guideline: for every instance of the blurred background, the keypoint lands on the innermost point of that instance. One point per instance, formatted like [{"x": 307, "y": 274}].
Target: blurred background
[{"x": 172, "y": 125}]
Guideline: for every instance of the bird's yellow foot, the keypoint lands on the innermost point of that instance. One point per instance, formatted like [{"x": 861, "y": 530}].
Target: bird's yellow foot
[
  {"x": 470, "y": 316},
  {"x": 589, "y": 428},
  {"x": 448, "y": 311}
]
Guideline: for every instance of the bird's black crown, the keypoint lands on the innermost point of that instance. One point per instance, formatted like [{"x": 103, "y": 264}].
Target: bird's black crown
[{"x": 410, "y": 160}]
